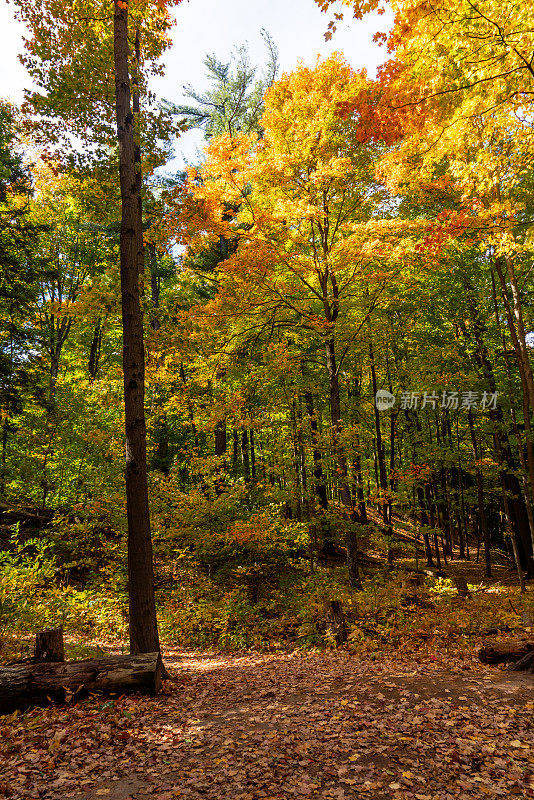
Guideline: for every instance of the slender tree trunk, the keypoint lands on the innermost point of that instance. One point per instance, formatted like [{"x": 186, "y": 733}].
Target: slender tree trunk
[
  {"x": 442, "y": 499},
  {"x": 263, "y": 468},
  {"x": 138, "y": 176},
  {"x": 528, "y": 482},
  {"x": 235, "y": 451},
  {"x": 480, "y": 496},
  {"x": 3, "y": 473},
  {"x": 155, "y": 288},
  {"x": 296, "y": 461},
  {"x": 462, "y": 519},
  {"x": 424, "y": 525},
  {"x": 385, "y": 503},
  {"x": 430, "y": 506},
  {"x": 516, "y": 328},
  {"x": 220, "y": 438},
  {"x": 252, "y": 456},
  {"x": 354, "y": 393},
  {"x": 143, "y": 623},
  {"x": 94, "y": 353},
  {"x": 513, "y": 539},
  {"x": 245, "y": 455},
  {"x": 524, "y": 547},
  {"x": 221, "y": 444},
  {"x": 319, "y": 486},
  {"x": 351, "y": 541}
]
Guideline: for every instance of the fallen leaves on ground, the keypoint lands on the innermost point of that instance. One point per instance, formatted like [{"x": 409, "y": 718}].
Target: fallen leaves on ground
[{"x": 269, "y": 727}]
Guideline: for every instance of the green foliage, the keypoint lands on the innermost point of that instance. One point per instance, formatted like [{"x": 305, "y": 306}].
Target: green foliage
[
  {"x": 32, "y": 596},
  {"x": 19, "y": 267},
  {"x": 226, "y": 530},
  {"x": 26, "y": 569},
  {"x": 234, "y": 101},
  {"x": 86, "y": 545}
]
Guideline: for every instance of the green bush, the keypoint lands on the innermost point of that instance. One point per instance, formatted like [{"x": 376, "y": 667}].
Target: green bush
[{"x": 32, "y": 599}]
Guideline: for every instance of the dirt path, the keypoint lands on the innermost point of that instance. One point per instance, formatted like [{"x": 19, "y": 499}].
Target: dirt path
[{"x": 307, "y": 726}]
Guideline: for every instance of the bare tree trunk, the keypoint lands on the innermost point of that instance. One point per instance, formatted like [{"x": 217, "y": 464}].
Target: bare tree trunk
[
  {"x": 94, "y": 353},
  {"x": 144, "y": 636},
  {"x": 235, "y": 449},
  {"x": 245, "y": 455},
  {"x": 528, "y": 483},
  {"x": 508, "y": 515},
  {"x": 3, "y": 469},
  {"x": 340, "y": 459},
  {"x": 385, "y": 502},
  {"x": 252, "y": 456},
  {"x": 517, "y": 330},
  {"x": 424, "y": 525},
  {"x": 220, "y": 438},
  {"x": 518, "y": 502},
  {"x": 155, "y": 287},
  {"x": 319, "y": 486},
  {"x": 480, "y": 495}
]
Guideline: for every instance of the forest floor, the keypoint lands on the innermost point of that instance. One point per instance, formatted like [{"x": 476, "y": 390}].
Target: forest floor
[{"x": 272, "y": 726}]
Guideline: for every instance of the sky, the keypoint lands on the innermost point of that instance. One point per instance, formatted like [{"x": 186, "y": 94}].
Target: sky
[{"x": 210, "y": 26}]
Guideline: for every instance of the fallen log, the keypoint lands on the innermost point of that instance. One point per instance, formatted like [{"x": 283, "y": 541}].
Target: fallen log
[
  {"x": 23, "y": 515},
  {"x": 32, "y": 684},
  {"x": 502, "y": 652}
]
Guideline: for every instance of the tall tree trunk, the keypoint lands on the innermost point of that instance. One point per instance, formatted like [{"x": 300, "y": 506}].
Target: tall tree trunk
[
  {"x": 155, "y": 288},
  {"x": 528, "y": 465},
  {"x": 220, "y": 438},
  {"x": 480, "y": 497},
  {"x": 354, "y": 393},
  {"x": 235, "y": 450},
  {"x": 430, "y": 506},
  {"x": 298, "y": 489},
  {"x": 340, "y": 459},
  {"x": 144, "y": 636},
  {"x": 515, "y": 499},
  {"x": 414, "y": 429},
  {"x": 512, "y": 536},
  {"x": 221, "y": 445},
  {"x": 94, "y": 353},
  {"x": 385, "y": 502},
  {"x": 252, "y": 456},
  {"x": 442, "y": 498},
  {"x": 319, "y": 486},
  {"x": 514, "y": 311},
  {"x": 3, "y": 471},
  {"x": 462, "y": 519},
  {"x": 424, "y": 525},
  {"x": 245, "y": 455}
]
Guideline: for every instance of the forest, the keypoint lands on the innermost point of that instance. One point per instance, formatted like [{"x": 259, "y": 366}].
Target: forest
[{"x": 267, "y": 449}]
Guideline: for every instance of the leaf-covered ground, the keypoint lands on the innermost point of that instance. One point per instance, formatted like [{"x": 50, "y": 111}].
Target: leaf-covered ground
[{"x": 281, "y": 726}]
